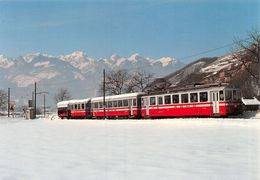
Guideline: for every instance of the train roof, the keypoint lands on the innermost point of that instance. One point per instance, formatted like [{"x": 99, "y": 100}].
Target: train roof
[
  {"x": 121, "y": 96},
  {"x": 191, "y": 87},
  {"x": 62, "y": 104},
  {"x": 74, "y": 101}
]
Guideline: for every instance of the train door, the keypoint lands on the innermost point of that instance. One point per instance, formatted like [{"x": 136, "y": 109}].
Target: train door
[
  {"x": 131, "y": 111},
  {"x": 145, "y": 107},
  {"x": 131, "y": 104},
  {"x": 215, "y": 101},
  {"x": 138, "y": 102},
  {"x": 146, "y": 102},
  {"x": 88, "y": 110}
]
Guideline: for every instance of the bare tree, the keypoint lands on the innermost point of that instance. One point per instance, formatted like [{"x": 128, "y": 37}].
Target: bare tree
[
  {"x": 160, "y": 84},
  {"x": 116, "y": 82},
  {"x": 3, "y": 99},
  {"x": 62, "y": 94},
  {"x": 248, "y": 52},
  {"x": 139, "y": 81}
]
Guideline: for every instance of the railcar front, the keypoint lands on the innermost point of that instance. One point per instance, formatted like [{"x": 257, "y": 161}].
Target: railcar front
[
  {"x": 63, "y": 109},
  {"x": 230, "y": 102}
]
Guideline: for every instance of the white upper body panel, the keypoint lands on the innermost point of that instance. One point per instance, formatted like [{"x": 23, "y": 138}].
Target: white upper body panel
[{"x": 117, "y": 97}]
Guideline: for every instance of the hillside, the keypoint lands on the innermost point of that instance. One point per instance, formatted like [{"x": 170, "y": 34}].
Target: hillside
[{"x": 225, "y": 69}]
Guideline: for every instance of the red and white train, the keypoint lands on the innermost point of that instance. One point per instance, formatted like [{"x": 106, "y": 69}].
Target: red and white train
[{"x": 196, "y": 101}]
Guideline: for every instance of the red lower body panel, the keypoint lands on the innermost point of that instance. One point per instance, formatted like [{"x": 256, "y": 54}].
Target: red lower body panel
[
  {"x": 80, "y": 114},
  {"x": 191, "y": 110},
  {"x": 116, "y": 112},
  {"x": 177, "y": 111}
]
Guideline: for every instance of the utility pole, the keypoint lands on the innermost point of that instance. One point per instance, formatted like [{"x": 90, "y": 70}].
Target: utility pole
[
  {"x": 8, "y": 108},
  {"x": 35, "y": 93},
  {"x": 104, "y": 92},
  {"x": 44, "y": 105},
  {"x": 44, "y": 100}
]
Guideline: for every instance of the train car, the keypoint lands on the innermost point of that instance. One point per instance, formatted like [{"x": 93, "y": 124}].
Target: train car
[
  {"x": 214, "y": 100},
  {"x": 117, "y": 106},
  {"x": 63, "y": 109},
  {"x": 79, "y": 108},
  {"x": 195, "y": 101}
]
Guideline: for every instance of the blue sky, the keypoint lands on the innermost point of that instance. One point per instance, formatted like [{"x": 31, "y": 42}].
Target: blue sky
[{"x": 152, "y": 28}]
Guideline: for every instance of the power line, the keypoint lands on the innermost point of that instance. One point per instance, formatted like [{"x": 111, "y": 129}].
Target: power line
[
  {"x": 196, "y": 54},
  {"x": 204, "y": 52}
]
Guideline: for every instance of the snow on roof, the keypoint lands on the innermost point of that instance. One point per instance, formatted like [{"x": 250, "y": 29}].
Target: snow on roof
[
  {"x": 129, "y": 95},
  {"x": 73, "y": 101},
  {"x": 63, "y": 104},
  {"x": 78, "y": 101},
  {"x": 253, "y": 101}
]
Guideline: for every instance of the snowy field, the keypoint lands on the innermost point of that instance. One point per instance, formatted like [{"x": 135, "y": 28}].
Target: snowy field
[{"x": 45, "y": 149}]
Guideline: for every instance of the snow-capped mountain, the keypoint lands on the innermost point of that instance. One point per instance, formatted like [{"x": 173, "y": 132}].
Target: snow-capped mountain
[
  {"x": 77, "y": 71},
  {"x": 5, "y": 62}
]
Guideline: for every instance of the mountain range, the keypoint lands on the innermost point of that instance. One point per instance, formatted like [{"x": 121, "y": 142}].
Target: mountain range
[
  {"x": 77, "y": 72},
  {"x": 81, "y": 74}
]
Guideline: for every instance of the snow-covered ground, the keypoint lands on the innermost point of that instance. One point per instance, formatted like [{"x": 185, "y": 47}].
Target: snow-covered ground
[{"x": 129, "y": 149}]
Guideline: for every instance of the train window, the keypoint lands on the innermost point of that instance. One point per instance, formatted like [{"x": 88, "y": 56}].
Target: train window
[
  {"x": 114, "y": 103},
  {"x": 152, "y": 100},
  {"x": 235, "y": 95},
  {"x": 125, "y": 102},
  {"x": 109, "y": 103},
  {"x": 175, "y": 99},
  {"x": 160, "y": 100},
  {"x": 82, "y": 106},
  {"x": 184, "y": 98},
  {"x": 130, "y": 102},
  {"x": 100, "y": 104},
  {"x": 134, "y": 102},
  {"x": 167, "y": 99},
  {"x": 203, "y": 96},
  {"x": 193, "y": 97},
  {"x": 120, "y": 103},
  {"x": 238, "y": 94},
  {"x": 143, "y": 102},
  {"x": 76, "y": 106},
  {"x": 221, "y": 95},
  {"x": 228, "y": 95},
  {"x": 96, "y": 105}
]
